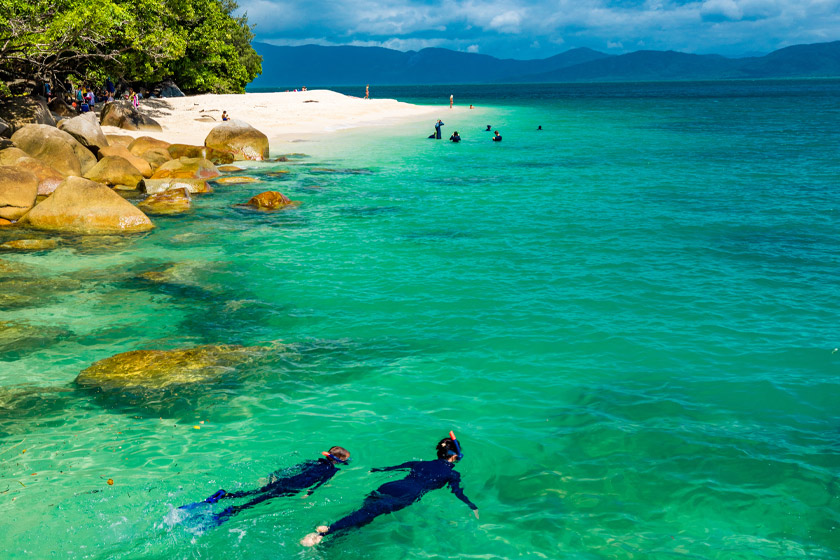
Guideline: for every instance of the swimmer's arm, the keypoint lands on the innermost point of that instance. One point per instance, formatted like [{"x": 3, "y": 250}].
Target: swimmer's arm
[
  {"x": 309, "y": 492},
  {"x": 407, "y": 465},
  {"x": 455, "y": 485}
]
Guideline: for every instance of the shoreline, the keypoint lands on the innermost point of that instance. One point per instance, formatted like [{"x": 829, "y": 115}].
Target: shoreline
[{"x": 281, "y": 116}]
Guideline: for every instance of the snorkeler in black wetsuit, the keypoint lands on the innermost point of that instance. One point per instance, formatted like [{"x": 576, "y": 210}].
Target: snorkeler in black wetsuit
[
  {"x": 311, "y": 475},
  {"x": 423, "y": 477}
]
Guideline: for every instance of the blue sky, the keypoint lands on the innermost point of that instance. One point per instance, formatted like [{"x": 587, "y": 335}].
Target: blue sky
[{"x": 536, "y": 29}]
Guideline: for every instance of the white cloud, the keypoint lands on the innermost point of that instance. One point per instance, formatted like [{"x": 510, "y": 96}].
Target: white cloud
[{"x": 508, "y": 22}]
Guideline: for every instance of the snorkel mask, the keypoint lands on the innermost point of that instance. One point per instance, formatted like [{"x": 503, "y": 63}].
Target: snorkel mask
[
  {"x": 329, "y": 455},
  {"x": 457, "y": 453}
]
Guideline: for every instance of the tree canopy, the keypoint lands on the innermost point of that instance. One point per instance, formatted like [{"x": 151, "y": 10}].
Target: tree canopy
[{"x": 199, "y": 44}]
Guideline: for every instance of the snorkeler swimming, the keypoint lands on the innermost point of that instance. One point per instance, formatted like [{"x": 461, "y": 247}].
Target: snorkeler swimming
[
  {"x": 311, "y": 474},
  {"x": 423, "y": 477}
]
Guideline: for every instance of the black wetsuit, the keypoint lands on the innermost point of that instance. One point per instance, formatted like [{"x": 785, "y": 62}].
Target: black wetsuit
[
  {"x": 423, "y": 477},
  {"x": 437, "y": 129},
  {"x": 312, "y": 474},
  {"x": 455, "y": 138}
]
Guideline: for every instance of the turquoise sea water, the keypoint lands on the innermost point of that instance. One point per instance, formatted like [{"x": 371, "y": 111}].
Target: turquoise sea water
[{"x": 630, "y": 319}]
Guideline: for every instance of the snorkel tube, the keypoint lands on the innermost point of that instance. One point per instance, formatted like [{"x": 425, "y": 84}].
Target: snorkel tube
[
  {"x": 332, "y": 457},
  {"x": 459, "y": 455}
]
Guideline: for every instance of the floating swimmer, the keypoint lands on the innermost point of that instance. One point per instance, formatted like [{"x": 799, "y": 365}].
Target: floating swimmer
[
  {"x": 311, "y": 475},
  {"x": 423, "y": 477}
]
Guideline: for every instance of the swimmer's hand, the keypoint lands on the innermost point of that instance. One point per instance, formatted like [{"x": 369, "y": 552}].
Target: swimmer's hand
[{"x": 475, "y": 512}]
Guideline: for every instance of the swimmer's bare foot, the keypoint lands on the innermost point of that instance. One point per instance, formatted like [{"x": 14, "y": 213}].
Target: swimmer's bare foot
[
  {"x": 311, "y": 539},
  {"x": 322, "y": 528}
]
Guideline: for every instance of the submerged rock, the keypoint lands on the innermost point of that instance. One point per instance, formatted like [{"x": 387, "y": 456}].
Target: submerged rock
[
  {"x": 29, "y": 245},
  {"x": 239, "y": 138},
  {"x": 229, "y": 168},
  {"x": 22, "y": 337},
  {"x": 172, "y": 201},
  {"x": 161, "y": 369},
  {"x": 82, "y": 206},
  {"x": 271, "y": 200},
  {"x": 240, "y": 180}
]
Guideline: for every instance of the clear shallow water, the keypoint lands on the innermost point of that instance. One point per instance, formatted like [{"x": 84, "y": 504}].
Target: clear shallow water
[{"x": 629, "y": 318}]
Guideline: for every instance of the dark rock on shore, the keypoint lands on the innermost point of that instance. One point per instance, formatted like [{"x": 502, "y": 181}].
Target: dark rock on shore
[
  {"x": 122, "y": 114},
  {"x": 61, "y": 108},
  {"x": 5, "y": 129},
  {"x": 21, "y": 111}
]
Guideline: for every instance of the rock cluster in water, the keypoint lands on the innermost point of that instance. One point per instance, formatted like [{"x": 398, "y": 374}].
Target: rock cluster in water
[{"x": 59, "y": 171}]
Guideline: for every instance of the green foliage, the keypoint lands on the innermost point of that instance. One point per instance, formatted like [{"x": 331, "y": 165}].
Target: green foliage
[{"x": 197, "y": 43}]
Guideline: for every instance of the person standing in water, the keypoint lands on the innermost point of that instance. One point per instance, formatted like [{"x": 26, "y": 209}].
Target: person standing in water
[
  {"x": 455, "y": 137},
  {"x": 423, "y": 477},
  {"x": 437, "y": 129},
  {"x": 497, "y": 137},
  {"x": 310, "y": 476}
]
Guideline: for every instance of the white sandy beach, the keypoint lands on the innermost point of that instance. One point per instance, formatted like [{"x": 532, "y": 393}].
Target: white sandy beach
[{"x": 279, "y": 115}]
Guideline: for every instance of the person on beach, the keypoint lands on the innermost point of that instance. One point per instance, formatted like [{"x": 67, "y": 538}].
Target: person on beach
[
  {"x": 225, "y": 116},
  {"x": 497, "y": 137},
  {"x": 423, "y": 477},
  {"x": 451, "y": 100},
  {"x": 367, "y": 91},
  {"x": 455, "y": 137},
  {"x": 309, "y": 476}
]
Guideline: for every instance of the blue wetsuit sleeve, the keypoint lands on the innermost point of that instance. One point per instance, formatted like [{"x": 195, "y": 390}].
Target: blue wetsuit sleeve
[
  {"x": 455, "y": 485},
  {"x": 407, "y": 465},
  {"x": 322, "y": 482}
]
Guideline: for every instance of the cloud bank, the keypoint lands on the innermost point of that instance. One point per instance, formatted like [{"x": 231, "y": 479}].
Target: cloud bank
[{"x": 532, "y": 29}]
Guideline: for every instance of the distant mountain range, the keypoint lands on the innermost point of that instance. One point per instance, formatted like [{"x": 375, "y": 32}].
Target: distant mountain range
[{"x": 313, "y": 65}]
